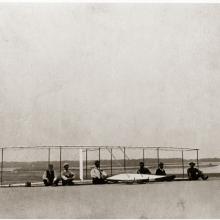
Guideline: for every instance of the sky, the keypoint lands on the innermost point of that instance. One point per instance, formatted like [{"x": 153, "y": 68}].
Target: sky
[{"x": 110, "y": 74}]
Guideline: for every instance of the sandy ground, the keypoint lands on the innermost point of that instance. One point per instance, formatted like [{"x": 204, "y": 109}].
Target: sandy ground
[{"x": 198, "y": 199}]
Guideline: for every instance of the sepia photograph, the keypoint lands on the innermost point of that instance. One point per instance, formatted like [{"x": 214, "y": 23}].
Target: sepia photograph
[{"x": 109, "y": 110}]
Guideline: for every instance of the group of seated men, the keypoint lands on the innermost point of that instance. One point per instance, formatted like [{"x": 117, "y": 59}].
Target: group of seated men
[
  {"x": 192, "y": 172},
  {"x": 145, "y": 170},
  {"x": 99, "y": 176},
  {"x": 50, "y": 178}
]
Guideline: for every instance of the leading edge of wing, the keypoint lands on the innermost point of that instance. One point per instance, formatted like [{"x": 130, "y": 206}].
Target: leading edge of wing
[{"x": 131, "y": 177}]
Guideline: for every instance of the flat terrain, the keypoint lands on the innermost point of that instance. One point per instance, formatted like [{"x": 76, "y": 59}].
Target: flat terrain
[{"x": 185, "y": 199}]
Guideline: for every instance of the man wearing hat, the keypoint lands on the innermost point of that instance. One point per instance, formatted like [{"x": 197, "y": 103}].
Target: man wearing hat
[
  {"x": 194, "y": 173},
  {"x": 142, "y": 169},
  {"x": 67, "y": 176},
  {"x": 50, "y": 177},
  {"x": 98, "y": 176},
  {"x": 160, "y": 171}
]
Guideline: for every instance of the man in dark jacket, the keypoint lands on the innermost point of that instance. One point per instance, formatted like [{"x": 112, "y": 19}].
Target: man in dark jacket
[
  {"x": 194, "y": 173},
  {"x": 49, "y": 176},
  {"x": 142, "y": 169},
  {"x": 160, "y": 171}
]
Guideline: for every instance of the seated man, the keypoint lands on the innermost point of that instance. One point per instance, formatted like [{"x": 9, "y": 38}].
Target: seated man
[
  {"x": 142, "y": 169},
  {"x": 49, "y": 176},
  {"x": 194, "y": 173},
  {"x": 98, "y": 176},
  {"x": 67, "y": 176},
  {"x": 160, "y": 171}
]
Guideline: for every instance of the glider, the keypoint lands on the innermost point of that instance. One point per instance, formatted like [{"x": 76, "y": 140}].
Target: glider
[{"x": 131, "y": 178}]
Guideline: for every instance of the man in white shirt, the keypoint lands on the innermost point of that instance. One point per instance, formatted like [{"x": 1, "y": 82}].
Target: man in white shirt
[
  {"x": 67, "y": 176},
  {"x": 98, "y": 176}
]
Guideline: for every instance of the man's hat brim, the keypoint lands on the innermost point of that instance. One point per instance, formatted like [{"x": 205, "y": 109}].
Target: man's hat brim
[{"x": 65, "y": 164}]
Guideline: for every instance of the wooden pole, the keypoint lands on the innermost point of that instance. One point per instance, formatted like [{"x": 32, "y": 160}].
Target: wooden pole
[
  {"x": 183, "y": 164},
  {"x": 111, "y": 162},
  {"x": 81, "y": 164},
  {"x": 158, "y": 156},
  {"x": 100, "y": 157},
  {"x": 2, "y": 161},
  {"x": 60, "y": 160},
  {"x": 143, "y": 156},
  {"x": 48, "y": 155},
  {"x": 86, "y": 164},
  {"x": 197, "y": 157},
  {"x": 124, "y": 160}
]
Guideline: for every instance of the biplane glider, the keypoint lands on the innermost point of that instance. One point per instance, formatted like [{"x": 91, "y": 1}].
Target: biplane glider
[{"x": 138, "y": 178}]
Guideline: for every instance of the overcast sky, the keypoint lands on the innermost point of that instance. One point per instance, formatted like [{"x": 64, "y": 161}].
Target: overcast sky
[{"x": 110, "y": 74}]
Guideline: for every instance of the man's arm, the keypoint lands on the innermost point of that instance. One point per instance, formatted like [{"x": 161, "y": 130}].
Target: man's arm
[
  {"x": 104, "y": 174},
  {"x": 45, "y": 175},
  {"x": 55, "y": 175},
  {"x": 72, "y": 175},
  {"x": 94, "y": 174},
  {"x": 189, "y": 174},
  {"x": 63, "y": 176}
]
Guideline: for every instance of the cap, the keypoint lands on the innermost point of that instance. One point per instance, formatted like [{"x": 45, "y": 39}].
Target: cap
[
  {"x": 192, "y": 163},
  {"x": 97, "y": 162},
  {"x": 65, "y": 164}
]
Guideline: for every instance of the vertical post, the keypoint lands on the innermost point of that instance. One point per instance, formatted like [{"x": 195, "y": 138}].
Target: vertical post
[
  {"x": 81, "y": 164},
  {"x": 183, "y": 164},
  {"x": 143, "y": 156},
  {"x": 111, "y": 162},
  {"x": 197, "y": 157},
  {"x": 158, "y": 156},
  {"x": 60, "y": 159},
  {"x": 99, "y": 158},
  {"x": 124, "y": 160},
  {"x": 99, "y": 154},
  {"x": 86, "y": 165},
  {"x": 48, "y": 155},
  {"x": 2, "y": 167}
]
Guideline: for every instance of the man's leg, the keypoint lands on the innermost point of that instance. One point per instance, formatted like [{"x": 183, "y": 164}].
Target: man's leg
[
  {"x": 70, "y": 182},
  {"x": 64, "y": 182},
  {"x": 56, "y": 181},
  {"x": 196, "y": 177},
  {"x": 95, "y": 181},
  {"x": 201, "y": 174},
  {"x": 46, "y": 183},
  {"x": 103, "y": 181},
  {"x": 98, "y": 181}
]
